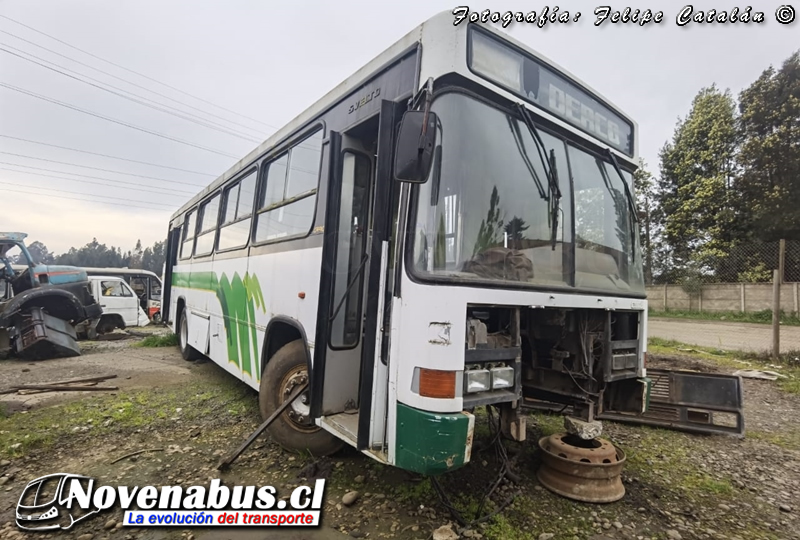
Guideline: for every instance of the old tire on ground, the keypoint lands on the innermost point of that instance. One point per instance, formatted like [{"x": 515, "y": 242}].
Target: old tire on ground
[
  {"x": 293, "y": 429},
  {"x": 156, "y": 317},
  {"x": 188, "y": 352}
]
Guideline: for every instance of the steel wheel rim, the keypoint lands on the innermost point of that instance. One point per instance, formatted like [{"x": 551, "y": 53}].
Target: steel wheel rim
[
  {"x": 184, "y": 333},
  {"x": 299, "y": 412}
]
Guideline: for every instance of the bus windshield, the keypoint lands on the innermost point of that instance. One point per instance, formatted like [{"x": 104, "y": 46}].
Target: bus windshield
[{"x": 481, "y": 215}]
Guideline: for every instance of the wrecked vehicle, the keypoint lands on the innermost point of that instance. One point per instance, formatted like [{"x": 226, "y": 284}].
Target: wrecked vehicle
[
  {"x": 121, "y": 308},
  {"x": 40, "y": 304}
]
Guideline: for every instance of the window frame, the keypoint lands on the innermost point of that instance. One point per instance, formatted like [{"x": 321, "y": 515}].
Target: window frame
[
  {"x": 237, "y": 183},
  {"x": 356, "y": 286},
  {"x": 201, "y": 217},
  {"x": 127, "y": 291},
  {"x": 185, "y": 232},
  {"x": 264, "y": 167}
]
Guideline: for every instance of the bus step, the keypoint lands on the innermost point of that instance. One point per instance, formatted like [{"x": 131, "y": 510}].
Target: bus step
[{"x": 344, "y": 426}]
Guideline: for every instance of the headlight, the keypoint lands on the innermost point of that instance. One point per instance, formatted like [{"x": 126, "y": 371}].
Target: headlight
[
  {"x": 502, "y": 377},
  {"x": 477, "y": 380}
]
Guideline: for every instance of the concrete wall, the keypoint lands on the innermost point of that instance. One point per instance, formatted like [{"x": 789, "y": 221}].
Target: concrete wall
[{"x": 716, "y": 297}]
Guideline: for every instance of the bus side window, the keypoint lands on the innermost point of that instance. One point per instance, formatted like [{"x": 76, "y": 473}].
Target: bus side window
[
  {"x": 236, "y": 212},
  {"x": 287, "y": 201},
  {"x": 188, "y": 235},
  {"x": 139, "y": 286},
  {"x": 209, "y": 214}
]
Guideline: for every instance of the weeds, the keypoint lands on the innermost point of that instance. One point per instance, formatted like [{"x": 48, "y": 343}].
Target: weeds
[
  {"x": 787, "y": 365},
  {"x": 167, "y": 340}
]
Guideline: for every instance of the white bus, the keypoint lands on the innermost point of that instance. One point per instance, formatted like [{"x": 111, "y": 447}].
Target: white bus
[
  {"x": 451, "y": 227},
  {"x": 146, "y": 285}
]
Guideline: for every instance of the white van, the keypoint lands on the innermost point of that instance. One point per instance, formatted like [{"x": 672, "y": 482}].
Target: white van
[{"x": 121, "y": 307}]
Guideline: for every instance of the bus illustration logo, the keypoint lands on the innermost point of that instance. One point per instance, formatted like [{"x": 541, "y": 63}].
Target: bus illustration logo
[{"x": 43, "y": 503}]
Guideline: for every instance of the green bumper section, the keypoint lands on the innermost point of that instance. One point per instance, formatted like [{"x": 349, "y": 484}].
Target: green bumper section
[{"x": 432, "y": 443}]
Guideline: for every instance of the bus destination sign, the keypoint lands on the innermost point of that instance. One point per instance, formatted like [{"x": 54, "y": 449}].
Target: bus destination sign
[{"x": 553, "y": 92}]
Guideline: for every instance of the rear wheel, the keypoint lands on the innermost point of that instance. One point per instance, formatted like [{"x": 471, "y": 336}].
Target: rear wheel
[
  {"x": 294, "y": 429},
  {"x": 187, "y": 351}
]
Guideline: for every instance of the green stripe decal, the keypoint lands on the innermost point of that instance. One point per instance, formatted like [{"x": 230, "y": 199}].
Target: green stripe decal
[
  {"x": 431, "y": 443},
  {"x": 239, "y": 298}
]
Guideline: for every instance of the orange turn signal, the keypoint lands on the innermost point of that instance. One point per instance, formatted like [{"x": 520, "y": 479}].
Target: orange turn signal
[{"x": 436, "y": 383}]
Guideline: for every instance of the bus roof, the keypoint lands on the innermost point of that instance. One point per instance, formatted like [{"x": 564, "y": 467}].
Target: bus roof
[
  {"x": 438, "y": 24},
  {"x": 118, "y": 271}
]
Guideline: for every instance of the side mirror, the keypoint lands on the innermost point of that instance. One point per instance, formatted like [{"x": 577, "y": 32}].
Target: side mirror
[{"x": 415, "y": 143}]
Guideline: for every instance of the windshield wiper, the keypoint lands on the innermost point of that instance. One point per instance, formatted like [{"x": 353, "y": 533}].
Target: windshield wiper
[
  {"x": 526, "y": 158},
  {"x": 628, "y": 196},
  {"x": 549, "y": 170}
]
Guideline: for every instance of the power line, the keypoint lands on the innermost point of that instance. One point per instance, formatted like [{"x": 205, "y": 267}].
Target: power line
[
  {"x": 106, "y": 155},
  {"x": 141, "y": 101},
  {"x": 136, "y": 187},
  {"x": 87, "y": 194},
  {"x": 93, "y": 168},
  {"x": 100, "y": 177},
  {"x": 113, "y": 120},
  {"x": 80, "y": 199},
  {"x": 135, "y": 73}
]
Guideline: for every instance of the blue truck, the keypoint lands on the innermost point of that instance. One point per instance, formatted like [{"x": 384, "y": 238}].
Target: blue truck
[{"x": 40, "y": 304}]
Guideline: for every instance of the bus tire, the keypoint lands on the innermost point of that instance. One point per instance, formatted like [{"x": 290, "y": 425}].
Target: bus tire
[
  {"x": 188, "y": 352},
  {"x": 293, "y": 430}
]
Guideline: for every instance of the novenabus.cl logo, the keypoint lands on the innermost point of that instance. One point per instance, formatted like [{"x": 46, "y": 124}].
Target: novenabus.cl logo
[
  {"x": 45, "y": 503},
  {"x": 58, "y": 501}
]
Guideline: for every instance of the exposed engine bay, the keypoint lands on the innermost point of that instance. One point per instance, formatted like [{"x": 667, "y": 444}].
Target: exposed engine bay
[{"x": 588, "y": 359}]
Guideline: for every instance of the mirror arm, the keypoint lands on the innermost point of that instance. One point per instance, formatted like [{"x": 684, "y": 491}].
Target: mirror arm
[{"x": 427, "y": 110}]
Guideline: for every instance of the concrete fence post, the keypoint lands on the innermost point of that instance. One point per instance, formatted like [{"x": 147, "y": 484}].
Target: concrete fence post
[
  {"x": 776, "y": 314},
  {"x": 741, "y": 293},
  {"x": 665, "y": 296},
  {"x": 796, "y": 300}
]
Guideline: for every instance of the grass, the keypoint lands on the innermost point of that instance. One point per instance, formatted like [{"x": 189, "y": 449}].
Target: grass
[
  {"x": 166, "y": 340},
  {"x": 758, "y": 317},
  {"x": 42, "y": 428},
  {"x": 788, "y": 364},
  {"x": 665, "y": 457}
]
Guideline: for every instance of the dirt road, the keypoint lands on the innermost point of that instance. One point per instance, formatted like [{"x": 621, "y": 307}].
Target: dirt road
[{"x": 731, "y": 336}]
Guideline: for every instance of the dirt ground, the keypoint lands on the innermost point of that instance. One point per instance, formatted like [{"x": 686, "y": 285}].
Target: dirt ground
[{"x": 188, "y": 414}]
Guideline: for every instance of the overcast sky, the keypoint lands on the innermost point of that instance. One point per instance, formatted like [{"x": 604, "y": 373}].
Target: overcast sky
[{"x": 268, "y": 61}]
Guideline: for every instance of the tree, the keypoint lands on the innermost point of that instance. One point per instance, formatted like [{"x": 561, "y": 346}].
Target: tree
[
  {"x": 770, "y": 151},
  {"x": 93, "y": 254},
  {"x": 135, "y": 256},
  {"x": 153, "y": 258},
  {"x": 644, "y": 192},
  {"x": 697, "y": 194},
  {"x": 515, "y": 229},
  {"x": 491, "y": 226},
  {"x": 40, "y": 253}
]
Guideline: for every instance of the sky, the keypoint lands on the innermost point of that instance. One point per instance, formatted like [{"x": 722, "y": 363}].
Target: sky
[{"x": 240, "y": 69}]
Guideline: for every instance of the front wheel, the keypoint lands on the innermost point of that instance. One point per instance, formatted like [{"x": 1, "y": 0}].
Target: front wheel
[
  {"x": 188, "y": 352},
  {"x": 294, "y": 429}
]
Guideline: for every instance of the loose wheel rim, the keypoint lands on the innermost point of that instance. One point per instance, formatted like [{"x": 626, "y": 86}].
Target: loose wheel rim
[{"x": 299, "y": 412}]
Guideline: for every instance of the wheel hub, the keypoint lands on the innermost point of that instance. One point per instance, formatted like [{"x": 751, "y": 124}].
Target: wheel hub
[
  {"x": 299, "y": 411},
  {"x": 582, "y": 470}
]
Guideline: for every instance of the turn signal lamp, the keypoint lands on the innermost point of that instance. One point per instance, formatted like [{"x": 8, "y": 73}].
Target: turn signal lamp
[{"x": 435, "y": 383}]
